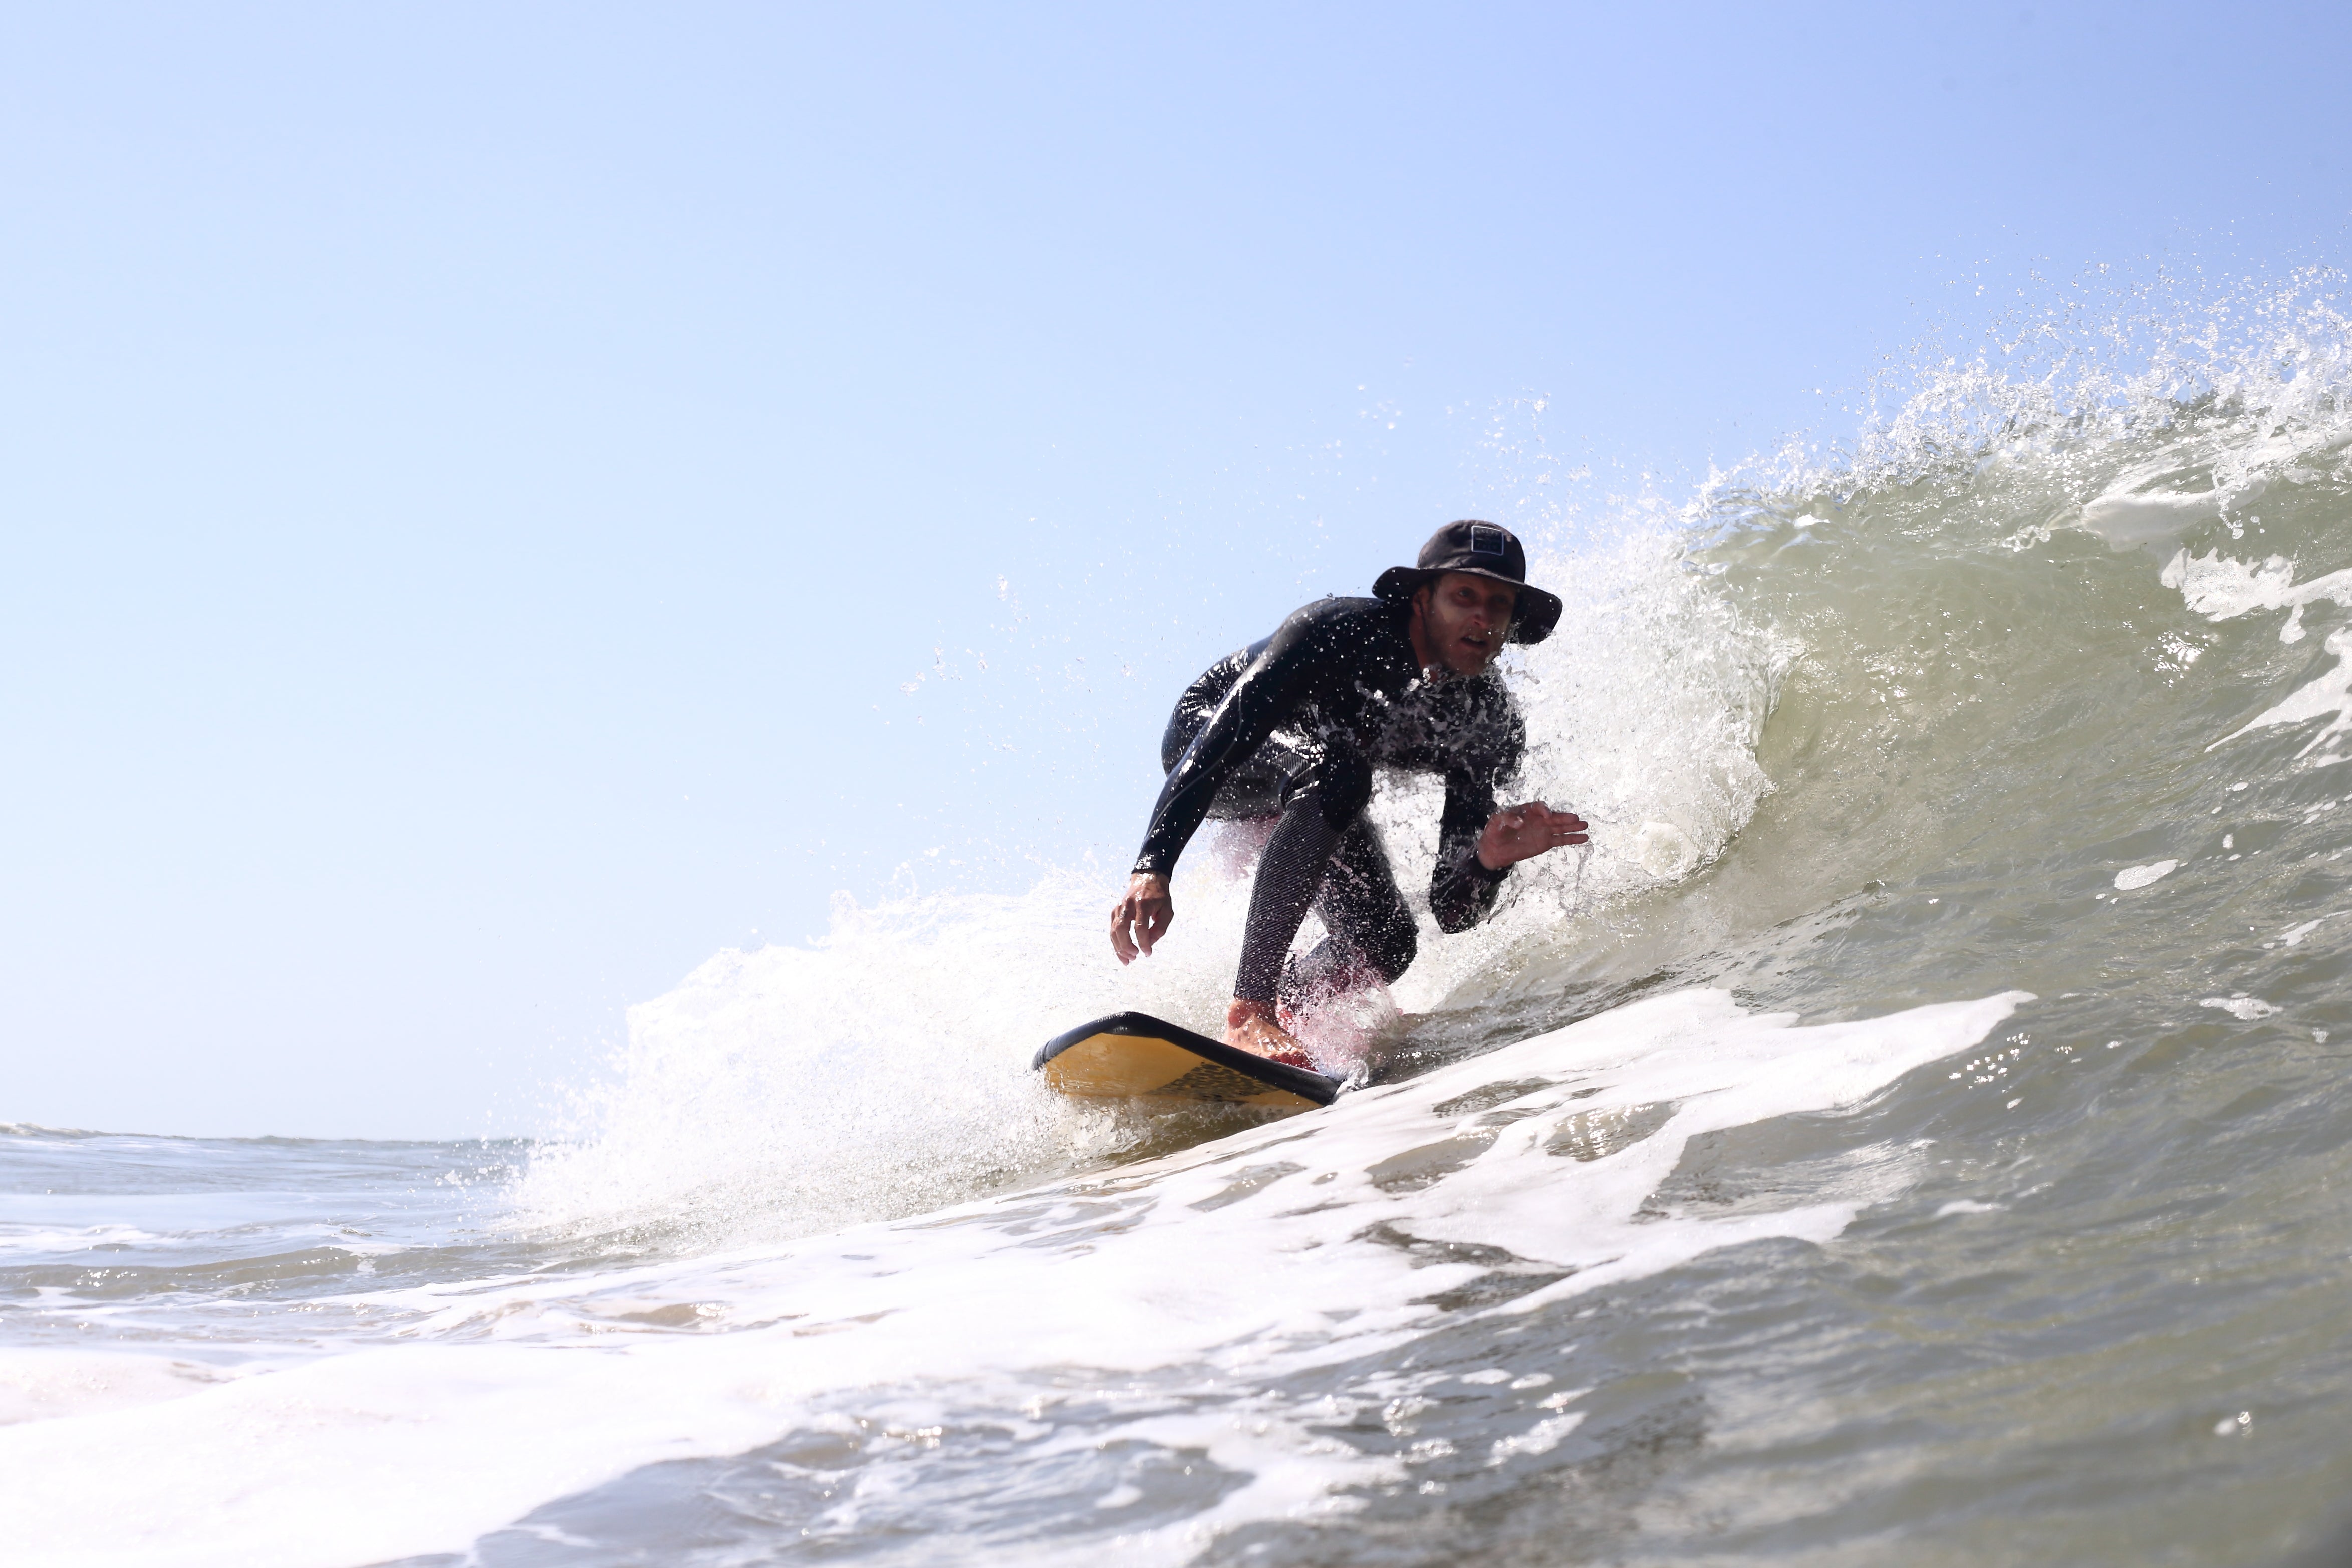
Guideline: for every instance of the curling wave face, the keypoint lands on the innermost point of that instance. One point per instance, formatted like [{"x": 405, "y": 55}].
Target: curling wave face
[{"x": 1906, "y": 1137}]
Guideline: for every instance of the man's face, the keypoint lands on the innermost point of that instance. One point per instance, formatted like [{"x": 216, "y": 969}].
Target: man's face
[{"x": 1464, "y": 619}]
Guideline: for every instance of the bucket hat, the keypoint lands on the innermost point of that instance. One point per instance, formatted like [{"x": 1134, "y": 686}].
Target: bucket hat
[{"x": 1483, "y": 550}]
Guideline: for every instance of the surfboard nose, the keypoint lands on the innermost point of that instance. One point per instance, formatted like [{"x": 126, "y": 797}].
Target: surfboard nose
[{"x": 1133, "y": 1055}]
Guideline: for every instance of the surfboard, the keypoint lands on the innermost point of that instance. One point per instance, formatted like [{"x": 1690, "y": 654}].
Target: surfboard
[{"x": 1136, "y": 1055}]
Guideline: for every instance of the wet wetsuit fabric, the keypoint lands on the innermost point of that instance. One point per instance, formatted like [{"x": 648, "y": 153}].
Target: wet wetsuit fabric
[{"x": 1295, "y": 725}]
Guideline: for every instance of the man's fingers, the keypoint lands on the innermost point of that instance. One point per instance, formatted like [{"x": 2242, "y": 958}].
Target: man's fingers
[
  {"x": 1564, "y": 822},
  {"x": 1137, "y": 924},
  {"x": 1530, "y": 828}
]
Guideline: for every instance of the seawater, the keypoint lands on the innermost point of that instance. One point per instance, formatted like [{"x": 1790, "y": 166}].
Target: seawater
[{"x": 1915, "y": 1135}]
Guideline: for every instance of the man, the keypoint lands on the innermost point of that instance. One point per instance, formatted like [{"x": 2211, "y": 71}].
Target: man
[{"x": 1293, "y": 727}]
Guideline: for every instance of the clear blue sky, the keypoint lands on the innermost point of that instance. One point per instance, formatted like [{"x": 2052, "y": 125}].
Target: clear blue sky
[{"x": 476, "y": 481}]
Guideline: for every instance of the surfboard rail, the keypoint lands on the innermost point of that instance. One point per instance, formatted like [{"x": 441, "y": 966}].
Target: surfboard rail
[{"x": 1134, "y": 1054}]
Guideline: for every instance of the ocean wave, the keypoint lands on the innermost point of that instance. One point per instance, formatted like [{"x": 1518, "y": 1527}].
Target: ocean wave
[{"x": 1923, "y": 1087}]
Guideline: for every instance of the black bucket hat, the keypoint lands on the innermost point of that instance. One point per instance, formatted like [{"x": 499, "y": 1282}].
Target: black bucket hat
[{"x": 1483, "y": 550}]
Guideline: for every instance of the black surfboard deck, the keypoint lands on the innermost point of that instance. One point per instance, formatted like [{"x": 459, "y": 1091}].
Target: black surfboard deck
[{"x": 1136, "y": 1055}]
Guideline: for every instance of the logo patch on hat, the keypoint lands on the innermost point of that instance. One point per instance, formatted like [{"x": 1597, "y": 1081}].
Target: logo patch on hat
[{"x": 1486, "y": 540}]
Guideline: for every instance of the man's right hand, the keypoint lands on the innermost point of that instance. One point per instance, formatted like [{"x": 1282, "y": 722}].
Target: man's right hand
[
  {"x": 1519, "y": 833},
  {"x": 1142, "y": 917}
]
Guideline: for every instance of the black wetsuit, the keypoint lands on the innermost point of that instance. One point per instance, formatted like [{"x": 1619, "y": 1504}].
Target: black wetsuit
[{"x": 1295, "y": 725}]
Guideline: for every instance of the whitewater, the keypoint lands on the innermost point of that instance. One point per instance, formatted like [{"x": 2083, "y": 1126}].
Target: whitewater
[{"x": 1915, "y": 1133}]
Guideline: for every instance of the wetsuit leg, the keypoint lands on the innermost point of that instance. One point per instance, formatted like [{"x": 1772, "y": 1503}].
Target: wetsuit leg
[
  {"x": 1323, "y": 804},
  {"x": 1372, "y": 935},
  {"x": 1323, "y": 854}
]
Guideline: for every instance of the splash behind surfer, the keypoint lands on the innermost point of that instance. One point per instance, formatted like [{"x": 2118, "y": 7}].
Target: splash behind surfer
[{"x": 1291, "y": 728}]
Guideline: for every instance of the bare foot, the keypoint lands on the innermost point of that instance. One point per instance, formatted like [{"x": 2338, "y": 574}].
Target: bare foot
[{"x": 1250, "y": 1027}]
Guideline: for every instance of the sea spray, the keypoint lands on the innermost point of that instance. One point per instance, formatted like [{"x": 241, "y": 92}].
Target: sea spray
[{"x": 882, "y": 1070}]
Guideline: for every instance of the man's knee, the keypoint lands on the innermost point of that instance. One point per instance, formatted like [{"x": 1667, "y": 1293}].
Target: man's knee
[
  {"x": 1340, "y": 786},
  {"x": 1392, "y": 944}
]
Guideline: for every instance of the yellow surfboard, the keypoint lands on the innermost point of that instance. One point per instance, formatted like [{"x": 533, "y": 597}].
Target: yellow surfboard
[{"x": 1135, "y": 1055}]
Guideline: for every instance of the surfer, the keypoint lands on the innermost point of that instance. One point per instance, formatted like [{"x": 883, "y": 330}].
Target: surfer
[{"x": 1291, "y": 728}]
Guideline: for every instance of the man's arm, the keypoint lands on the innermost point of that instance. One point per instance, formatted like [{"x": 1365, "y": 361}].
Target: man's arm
[
  {"x": 1463, "y": 888},
  {"x": 1477, "y": 844},
  {"x": 1267, "y": 693},
  {"x": 1490, "y": 741},
  {"x": 1472, "y": 861}
]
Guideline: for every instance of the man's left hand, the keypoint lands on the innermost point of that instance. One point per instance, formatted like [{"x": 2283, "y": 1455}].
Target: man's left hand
[{"x": 1518, "y": 833}]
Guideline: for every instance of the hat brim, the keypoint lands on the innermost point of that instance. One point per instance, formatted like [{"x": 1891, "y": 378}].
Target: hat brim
[{"x": 1533, "y": 616}]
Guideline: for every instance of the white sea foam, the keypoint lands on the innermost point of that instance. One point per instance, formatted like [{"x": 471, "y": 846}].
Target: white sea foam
[
  {"x": 1540, "y": 1438},
  {"x": 2133, "y": 878},
  {"x": 2220, "y": 588},
  {"x": 2327, "y": 695},
  {"x": 1303, "y": 1243},
  {"x": 52, "y": 1240},
  {"x": 38, "y": 1384},
  {"x": 2128, "y": 516},
  {"x": 2294, "y": 935}
]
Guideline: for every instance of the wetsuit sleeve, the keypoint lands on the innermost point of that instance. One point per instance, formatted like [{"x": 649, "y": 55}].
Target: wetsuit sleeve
[
  {"x": 1461, "y": 892},
  {"x": 1267, "y": 692}
]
